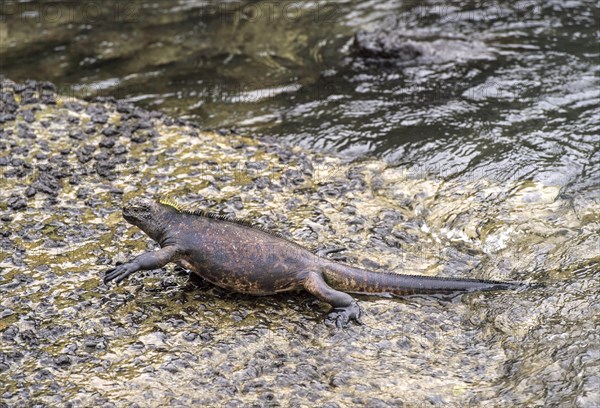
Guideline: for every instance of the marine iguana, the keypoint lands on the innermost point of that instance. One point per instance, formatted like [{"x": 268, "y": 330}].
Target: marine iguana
[{"x": 235, "y": 255}]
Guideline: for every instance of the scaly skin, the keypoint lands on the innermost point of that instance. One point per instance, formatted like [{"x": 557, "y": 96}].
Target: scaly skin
[{"x": 242, "y": 258}]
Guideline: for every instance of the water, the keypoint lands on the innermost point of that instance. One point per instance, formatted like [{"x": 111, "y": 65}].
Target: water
[
  {"x": 508, "y": 81},
  {"x": 480, "y": 158}
]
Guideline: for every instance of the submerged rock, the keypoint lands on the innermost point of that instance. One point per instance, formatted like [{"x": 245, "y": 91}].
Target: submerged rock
[
  {"x": 386, "y": 45},
  {"x": 393, "y": 45}
]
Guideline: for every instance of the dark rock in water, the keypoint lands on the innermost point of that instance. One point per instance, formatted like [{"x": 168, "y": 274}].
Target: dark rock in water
[
  {"x": 16, "y": 203},
  {"x": 62, "y": 361},
  {"x": 73, "y": 119},
  {"x": 26, "y": 133},
  {"x": 111, "y": 130},
  {"x": 7, "y": 117},
  {"x": 143, "y": 124},
  {"x": 74, "y": 106},
  {"x": 30, "y": 192},
  {"x": 124, "y": 107},
  {"x": 125, "y": 130},
  {"x": 47, "y": 93},
  {"x": 47, "y": 183},
  {"x": 84, "y": 153},
  {"x": 97, "y": 113},
  {"x": 119, "y": 149},
  {"x": 139, "y": 138},
  {"x": 105, "y": 168},
  {"x": 386, "y": 45},
  {"x": 77, "y": 135},
  {"x": 28, "y": 116},
  {"x": 8, "y": 104},
  {"x": 107, "y": 142},
  {"x": 28, "y": 96}
]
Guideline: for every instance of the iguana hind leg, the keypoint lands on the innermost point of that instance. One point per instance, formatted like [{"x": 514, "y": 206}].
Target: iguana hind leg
[{"x": 344, "y": 306}]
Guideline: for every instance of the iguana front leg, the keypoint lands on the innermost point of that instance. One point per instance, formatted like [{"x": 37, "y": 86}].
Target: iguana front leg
[
  {"x": 149, "y": 260},
  {"x": 344, "y": 306}
]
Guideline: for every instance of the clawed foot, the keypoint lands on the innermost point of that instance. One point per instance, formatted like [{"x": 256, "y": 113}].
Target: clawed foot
[
  {"x": 120, "y": 272},
  {"x": 342, "y": 315}
]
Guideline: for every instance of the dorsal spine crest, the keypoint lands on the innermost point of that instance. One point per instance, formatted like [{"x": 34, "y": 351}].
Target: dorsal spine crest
[
  {"x": 170, "y": 202},
  {"x": 165, "y": 200}
]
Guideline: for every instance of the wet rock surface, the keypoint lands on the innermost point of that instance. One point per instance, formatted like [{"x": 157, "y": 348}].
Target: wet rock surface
[{"x": 167, "y": 338}]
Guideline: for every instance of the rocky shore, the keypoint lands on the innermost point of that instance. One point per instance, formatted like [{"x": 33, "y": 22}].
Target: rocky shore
[
  {"x": 165, "y": 338},
  {"x": 66, "y": 166}
]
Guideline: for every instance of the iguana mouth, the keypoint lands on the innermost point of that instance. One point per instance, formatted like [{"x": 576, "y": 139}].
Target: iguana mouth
[
  {"x": 128, "y": 217},
  {"x": 128, "y": 212}
]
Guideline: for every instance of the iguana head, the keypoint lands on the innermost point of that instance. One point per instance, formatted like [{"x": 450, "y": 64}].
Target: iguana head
[{"x": 147, "y": 215}]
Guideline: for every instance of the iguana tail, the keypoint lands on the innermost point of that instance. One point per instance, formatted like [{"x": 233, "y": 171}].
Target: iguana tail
[{"x": 356, "y": 280}]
